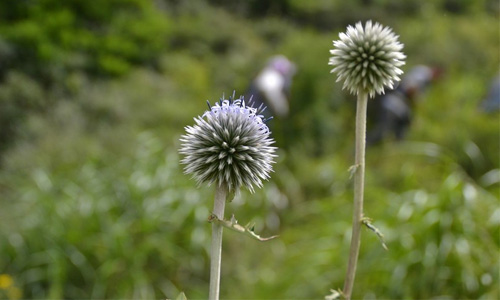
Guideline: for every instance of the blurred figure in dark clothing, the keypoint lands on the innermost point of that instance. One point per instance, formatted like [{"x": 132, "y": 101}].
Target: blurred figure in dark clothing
[
  {"x": 492, "y": 102},
  {"x": 391, "y": 113},
  {"x": 272, "y": 85}
]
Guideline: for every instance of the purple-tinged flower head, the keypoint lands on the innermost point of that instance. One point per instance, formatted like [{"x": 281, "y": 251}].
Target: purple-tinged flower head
[
  {"x": 367, "y": 58},
  {"x": 230, "y": 144}
]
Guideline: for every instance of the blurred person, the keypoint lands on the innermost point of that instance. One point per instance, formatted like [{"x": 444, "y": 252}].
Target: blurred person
[
  {"x": 392, "y": 112},
  {"x": 272, "y": 86},
  {"x": 491, "y": 103}
]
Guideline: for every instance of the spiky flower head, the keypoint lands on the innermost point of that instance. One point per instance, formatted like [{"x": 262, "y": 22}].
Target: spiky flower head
[
  {"x": 367, "y": 59},
  {"x": 230, "y": 145}
]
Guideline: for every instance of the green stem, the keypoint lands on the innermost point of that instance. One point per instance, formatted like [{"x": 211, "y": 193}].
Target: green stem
[
  {"x": 359, "y": 178},
  {"x": 216, "y": 249}
]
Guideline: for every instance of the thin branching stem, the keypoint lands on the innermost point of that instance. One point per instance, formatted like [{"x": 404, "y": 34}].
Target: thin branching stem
[
  {"x": 359, "y": 178},
  {"x": 216, "y": 249}
]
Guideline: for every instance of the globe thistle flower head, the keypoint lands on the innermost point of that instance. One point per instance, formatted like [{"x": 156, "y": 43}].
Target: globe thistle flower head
[
  {"x": 367, "y": 58},
  {"x": 230, "y": 145}
]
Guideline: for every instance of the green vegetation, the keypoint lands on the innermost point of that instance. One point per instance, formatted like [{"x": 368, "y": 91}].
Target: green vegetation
[{"x": 93, "y": 99}]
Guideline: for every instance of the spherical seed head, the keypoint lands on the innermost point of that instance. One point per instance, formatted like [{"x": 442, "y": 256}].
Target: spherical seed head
[
  {"x": 367, "y": 59},
  {"x": 229, "y": 145}
]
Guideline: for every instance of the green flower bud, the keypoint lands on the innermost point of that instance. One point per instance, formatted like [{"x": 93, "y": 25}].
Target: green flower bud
[{"x": 367, "y": 59}]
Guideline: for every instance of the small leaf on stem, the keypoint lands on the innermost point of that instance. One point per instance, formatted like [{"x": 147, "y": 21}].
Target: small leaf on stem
[
  {"x": 335, "y": 294},
  {"x": 352, "y": 170},
  {"x": 368, "y": 223},
  {"x": 233, "y": 225},
  {"x": 181, "y": 296}
]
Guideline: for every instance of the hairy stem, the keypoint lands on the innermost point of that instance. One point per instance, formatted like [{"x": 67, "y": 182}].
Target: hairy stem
[
  {"x": 359, "y": 178},
  {"x": 216, "y": 248}
]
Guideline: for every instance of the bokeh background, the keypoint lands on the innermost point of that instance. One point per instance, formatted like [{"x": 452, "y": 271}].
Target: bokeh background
[{"x": 93, "y": 201}]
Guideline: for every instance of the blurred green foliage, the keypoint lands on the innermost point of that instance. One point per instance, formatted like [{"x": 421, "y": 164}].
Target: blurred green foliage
[
  {"x": 93, "y": 98},
  {"x": 51, "y": 38}
]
